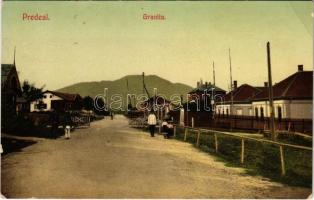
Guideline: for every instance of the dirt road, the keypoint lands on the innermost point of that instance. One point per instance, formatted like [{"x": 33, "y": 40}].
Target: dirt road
[{"x": 111, "y": 160}]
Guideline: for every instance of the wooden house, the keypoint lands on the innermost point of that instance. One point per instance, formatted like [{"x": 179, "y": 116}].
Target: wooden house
[
  {"x": 11, "y": 93},
  {"x": 57, "y": 101}
]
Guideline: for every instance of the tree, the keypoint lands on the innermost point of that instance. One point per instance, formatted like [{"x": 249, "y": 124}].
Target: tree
[
  {"x": 30, "y": 92},
  {"x": 101, "y": 108},
  {"x": 88, "y": 103}
]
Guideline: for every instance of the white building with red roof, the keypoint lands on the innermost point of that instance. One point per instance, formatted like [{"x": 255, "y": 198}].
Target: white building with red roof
[
  {"x": 56, "y": 101},
  {"x": 293, "y": 97}
]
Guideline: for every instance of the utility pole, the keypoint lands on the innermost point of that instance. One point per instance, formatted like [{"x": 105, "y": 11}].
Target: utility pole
[
  {"x": 231, "y": 93},
  {"x": 212, "y": 98},
  {"x": 14, "y": 56},
  {"x": 145, "y": 90},
  {"x": 143, "y": 82},
  {"x": 271, "y": 97},
  {"x": 214, "y": 73}
]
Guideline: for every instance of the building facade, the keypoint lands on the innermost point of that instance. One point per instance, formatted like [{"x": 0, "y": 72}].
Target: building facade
[
  {"x": 241, "y": 101},
  {"x": 293, "y": 98},
  {"x": 56, "y": 101},
  {"x": 10, "y": 92}
]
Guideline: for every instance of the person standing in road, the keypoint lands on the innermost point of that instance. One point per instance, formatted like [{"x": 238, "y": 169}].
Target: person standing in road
[
  {"x": 152, "y": 121},
  {"x": 54, "y": 118},
  {"x": 67, "y": 125}
]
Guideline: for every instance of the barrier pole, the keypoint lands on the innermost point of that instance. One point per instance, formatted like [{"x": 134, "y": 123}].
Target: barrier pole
[
  {"x": 282, "y": 160},
  {"x": 216, "y": 143},
  {"x": 198, "y": 138},
  {"x": 185, "y": 133},
  {"x": 242, "y": 151}
]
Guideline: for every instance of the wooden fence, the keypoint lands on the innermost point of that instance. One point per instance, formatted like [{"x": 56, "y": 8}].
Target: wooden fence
[
  {"x": 199, "y": 132},
  {"x": 81, "y": 120},
  {"x": 253, "y": 123},
  {"x": 205, "y": 119},
  {"x": 46, "y": 119}
]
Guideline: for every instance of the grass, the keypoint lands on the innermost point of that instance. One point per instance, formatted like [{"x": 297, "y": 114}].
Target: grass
[{"x": 259, "y": 158}]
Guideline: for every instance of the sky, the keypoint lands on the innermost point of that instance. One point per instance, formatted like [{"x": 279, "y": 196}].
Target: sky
[{"x": 94, "y": 41}]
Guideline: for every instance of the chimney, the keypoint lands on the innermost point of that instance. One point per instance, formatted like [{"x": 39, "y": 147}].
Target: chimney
[
  {"x": 197, "y": 84},
  {"x": 235, "y": 85},
  {"x": 300, "y": 68},
  {"x": 265, "y": 84}
]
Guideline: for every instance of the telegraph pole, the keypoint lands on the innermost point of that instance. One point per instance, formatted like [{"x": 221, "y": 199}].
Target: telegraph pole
[
  {"x": 14, "y": 56},
  {"x": 271, "y": 97},
  {"x": 212, "y": 98},
  {"x": 214, "y": 73},
  {"x": 231, "y": 93}
]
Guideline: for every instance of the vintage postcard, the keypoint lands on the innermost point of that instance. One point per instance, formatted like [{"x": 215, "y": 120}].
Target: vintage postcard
[{"x": 169, "y": 99}]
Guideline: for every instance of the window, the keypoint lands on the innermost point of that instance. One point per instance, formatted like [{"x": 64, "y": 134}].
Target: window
[
  {"x": 41, "y": 106},
  {"x": 227, "y": 111},
  {"x": 256, "y": 112},
  {"x": 51, "y": 96},
  {"x": 262, "y": 113},
  {"x": 279, "y": 113},
  {"x": 45, "y": 96}
]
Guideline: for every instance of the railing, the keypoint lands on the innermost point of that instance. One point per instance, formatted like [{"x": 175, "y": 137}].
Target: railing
[
  {"x": 81, "y": 120},
  {"x": 200, "y": 132},
  {"x": 205, "y": 119}
]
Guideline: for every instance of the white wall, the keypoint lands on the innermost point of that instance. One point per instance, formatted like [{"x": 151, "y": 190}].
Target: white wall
[
  {"x": 237, "y": 109},
  {"x": 295, "y": 109},
  {"x": 48, "y": 97}
]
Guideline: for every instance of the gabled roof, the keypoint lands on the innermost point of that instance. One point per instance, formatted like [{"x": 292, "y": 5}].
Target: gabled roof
[
  {"x": 65, "y": 96},
  {"x": 209, "y": 87},
  {"x": 242, "y": 94},
  {"x": 5, "y": 71},
  {"x": 297, "y": 86}
]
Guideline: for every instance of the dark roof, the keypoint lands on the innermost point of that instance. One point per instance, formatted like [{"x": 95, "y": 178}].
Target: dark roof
[
  {"x": 297, "y": 86},
  {"x": 209, "y": 87},
  {"x": 65, "y": 96},
  {"x": 5, "y": 71},
  {"x": 243, "y": 94}
]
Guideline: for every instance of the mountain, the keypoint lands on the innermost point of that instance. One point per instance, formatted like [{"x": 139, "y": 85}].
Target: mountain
[{"x": 135, "y": 85}]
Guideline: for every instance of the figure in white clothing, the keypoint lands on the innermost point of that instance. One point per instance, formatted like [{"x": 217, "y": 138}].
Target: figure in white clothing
[
  {"x": 67, "y": 131},
  {"x": 152, "y": 121},
  {"x": 67, "y": 126},
  {"x": 167, "y": 128}
]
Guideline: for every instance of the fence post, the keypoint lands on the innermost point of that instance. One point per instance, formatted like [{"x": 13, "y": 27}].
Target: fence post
[
  {"x": 282, "y": 160},
  {"x": 198, "y": 138},
  {"x": 192, "y": 121},
  {"x": 159, "y": 129},
  {"x": 252, "y": 122},
  {"x": 185, "y": 133},
  {"x": 242, "y": 151},
  {"x": 216, "y": 143},
  {"x": 174, "y": 131}
]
